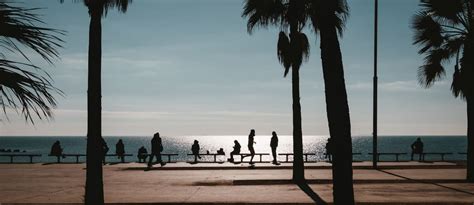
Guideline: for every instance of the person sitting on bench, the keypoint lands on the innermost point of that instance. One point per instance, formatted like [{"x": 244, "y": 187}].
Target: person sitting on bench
[
  {"x": 120, "y": 150},
  {"x": 57, "y": 150},
  {"x": 235, "y": 151},
  {"x": 142, "y": 154},
  {"x": 417, "y": 148},
  {"x": 221, "y": 151},
  {"x": 195, "y": 149}
]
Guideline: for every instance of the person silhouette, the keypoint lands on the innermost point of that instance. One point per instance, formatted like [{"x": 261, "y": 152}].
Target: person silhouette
[
  {"x": 274, "y": 145},
  {"x": 120, "y": 150},
  {"x": 142, "y": 154},
  {"x": 57, "y": 150},
  {"x": 329, "y": 149},
  {"x": 195, "y": 149},
  {"x": 250, "y": 146},
  {"x": 156, "y": 149},
  {"x": 235, "y": 151},
  {"x": 104, "y": 148},
  {"x": 417, "y": 148},
  {"x": 221, "y": 151}
]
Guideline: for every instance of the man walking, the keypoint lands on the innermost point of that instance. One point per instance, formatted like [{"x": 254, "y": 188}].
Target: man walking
[
  {"x": 156, "y": 149},
  {"x": 274, "y": 145}
]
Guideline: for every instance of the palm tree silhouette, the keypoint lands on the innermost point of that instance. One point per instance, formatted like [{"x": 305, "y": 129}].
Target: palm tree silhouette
[
  {"x": 292, "y": 50},
  {"x": 444, "y": 30},
  {"x": 94, "y": 181},
  {"x": 327, "y": 19},
  {"x": 21, "y": 87}
]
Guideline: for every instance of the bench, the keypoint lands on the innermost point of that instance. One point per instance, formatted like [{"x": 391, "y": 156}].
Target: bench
[
  {"x": 165, "y": 154},
  {"x": 330, "y": 159},
  {"x": 68, "y": 155},
  {"x": 243, "y": 155},
  {"x": 115, "y": 155},
  {"x": 435, "y": 153},
  {"x": 210, "y": 154},
  {"x": 396, "y": 154},
  {"x": 20, "y": 155},
  {"x": 305, "y": 156}
]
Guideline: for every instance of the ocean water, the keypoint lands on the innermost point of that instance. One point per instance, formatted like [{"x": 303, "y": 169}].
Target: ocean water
[{"x": 182, "y": 145}]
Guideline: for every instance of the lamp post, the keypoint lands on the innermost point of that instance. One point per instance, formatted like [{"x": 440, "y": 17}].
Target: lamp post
[{"x": 374, "y": 133}]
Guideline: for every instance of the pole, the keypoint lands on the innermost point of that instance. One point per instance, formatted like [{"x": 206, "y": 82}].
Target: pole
[{"x": 374, "y": 141}]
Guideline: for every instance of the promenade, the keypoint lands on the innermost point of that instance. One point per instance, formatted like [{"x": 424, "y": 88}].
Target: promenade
[{"x": 129, "y": 183}]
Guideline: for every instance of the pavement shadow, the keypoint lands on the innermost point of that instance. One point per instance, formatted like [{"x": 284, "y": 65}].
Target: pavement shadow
[
  {"x": 308, "y": 191},
  {"x": 426, "y": 182}
]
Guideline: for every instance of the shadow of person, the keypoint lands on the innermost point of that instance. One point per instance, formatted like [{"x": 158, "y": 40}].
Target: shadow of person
[{"x": 308, "y": 191}]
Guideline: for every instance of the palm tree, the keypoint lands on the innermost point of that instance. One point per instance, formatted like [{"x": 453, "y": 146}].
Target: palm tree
[
  {"x": 94, "y": 180},
  {"x": 327, "y": 19},
  {"x": 444, "y": 31},
  {"x": 292, "y": 50},
  {"x": 21, "y": 87}
]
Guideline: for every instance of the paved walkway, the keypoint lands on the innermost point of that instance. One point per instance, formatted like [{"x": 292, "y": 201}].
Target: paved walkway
[{"x": 129, "y": 183}]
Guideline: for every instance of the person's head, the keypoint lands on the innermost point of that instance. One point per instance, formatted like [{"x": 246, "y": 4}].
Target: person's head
[
  {"x": 252, "y": 132},
  {"x": 274, "y": 134},
  {"x": 156, "y": 135},
  {"x": 120, "y": 141},
  {"x": 236, "y": 142},
  {"x": 196, "y": 142},
  {"x": 57, "y": 142},
  {"x": 418, "y": 139}
]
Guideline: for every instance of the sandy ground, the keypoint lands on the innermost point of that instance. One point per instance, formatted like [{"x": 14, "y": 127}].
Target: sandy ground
[{"x": 397, "y": 183}]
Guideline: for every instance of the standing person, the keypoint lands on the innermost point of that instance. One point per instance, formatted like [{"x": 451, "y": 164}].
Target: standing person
[
  {"x": 105, "y": 149},
  {"x": 120, "y": 150},
  {"x": 274, "y": 145},
  {"x": 250, "y": 146},
  {"x": 195, "y": 149},
  {"x": 417, "y": 148},
  {"x": 156, "y": 149},
  {"x": 235, "y": 151}
]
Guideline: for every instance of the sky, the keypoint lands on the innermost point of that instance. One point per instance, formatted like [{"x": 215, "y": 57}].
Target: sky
[{"x": 187, "y": 67}]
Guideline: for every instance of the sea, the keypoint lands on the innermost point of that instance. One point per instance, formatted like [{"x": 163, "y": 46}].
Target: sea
[{"x": 182, "y": 145}]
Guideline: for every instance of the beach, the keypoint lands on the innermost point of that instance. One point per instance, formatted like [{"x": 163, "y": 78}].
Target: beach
[{"x": 129, "y": 183}]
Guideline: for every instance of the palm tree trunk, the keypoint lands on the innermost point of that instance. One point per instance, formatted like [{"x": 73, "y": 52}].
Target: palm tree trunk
[
  {"x": 337, "y": 109},
  {"x": 298, "y": 164},
  {"x": 470, "y": 138},
  {"x": 94, "y": 185}
]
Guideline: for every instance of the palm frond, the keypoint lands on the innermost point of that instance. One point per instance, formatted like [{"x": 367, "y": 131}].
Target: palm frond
[
  {"x": 433, "y": 69},
  {"x": 18, "y": 25},
  {"x": 262, "y": 13},
  {"x": 299, "y": 49},
  {"x": 427, "y": 32},
  {"x": 331, "y": 13},
  {"x": 458, "y": 83},
  {"x": 283, "y": 51},
  {"x": 447, "y": 10},
  {"x": 103, "y": 6},
  {"x": 25, "y": 91}
]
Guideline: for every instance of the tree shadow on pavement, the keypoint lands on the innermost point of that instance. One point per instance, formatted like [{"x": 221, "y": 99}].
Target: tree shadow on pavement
[
  {"x": 308, "y": 191},
  {"x": 426, "y": 182}
]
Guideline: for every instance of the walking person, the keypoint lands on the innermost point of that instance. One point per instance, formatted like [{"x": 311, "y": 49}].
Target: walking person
[
  {"x": 274, "y": 145},
  {"x": 329, "y": 149},
  {"x": 156, "y": 149},
  {"x": 250, "y": 146},
  {"x": 417, "y": 148},
  {"x": 120, "y": 150},
  {"x": 195, "y": 149}
]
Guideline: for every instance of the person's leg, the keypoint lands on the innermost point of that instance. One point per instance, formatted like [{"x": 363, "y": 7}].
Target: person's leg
[
  {"x": 195, "y": 158},
  {"x": 412, "y": 154},
  {"x": 150, "y": 161},
  {"x": 274, "y": 155},
  {"x": 252, "y": 154}
]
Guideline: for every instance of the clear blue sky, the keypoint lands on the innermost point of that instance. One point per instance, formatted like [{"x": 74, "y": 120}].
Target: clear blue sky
[{"x": 187, "y": 67}]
